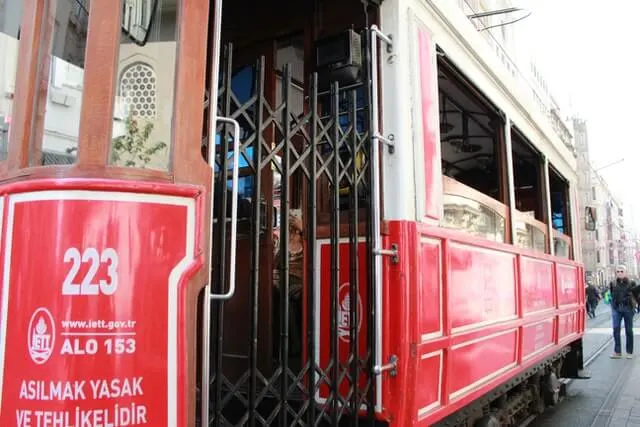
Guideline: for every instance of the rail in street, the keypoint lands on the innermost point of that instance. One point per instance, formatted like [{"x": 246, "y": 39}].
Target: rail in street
[{"x": 611, "y": 397}]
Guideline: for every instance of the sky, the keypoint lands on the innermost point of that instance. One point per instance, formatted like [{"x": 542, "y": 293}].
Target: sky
[{"x": 590, "y": 55}]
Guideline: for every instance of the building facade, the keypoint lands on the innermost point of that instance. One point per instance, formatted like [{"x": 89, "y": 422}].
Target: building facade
[
  {"x": 613, "y": 241},
  {"x": 586, "y": 198}
]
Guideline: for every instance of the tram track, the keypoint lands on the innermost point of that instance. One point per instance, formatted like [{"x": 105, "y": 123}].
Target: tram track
[
  {"x": 599, "y": 321},
  {"x": 603, "y": 399},
  {"x": 604, "y": 411}
]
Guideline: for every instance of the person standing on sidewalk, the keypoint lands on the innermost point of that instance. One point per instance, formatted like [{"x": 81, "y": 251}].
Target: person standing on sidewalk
[{"x": 624, "y": 294}]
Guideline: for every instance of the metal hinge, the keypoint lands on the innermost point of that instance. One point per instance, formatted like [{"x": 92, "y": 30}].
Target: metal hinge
[
  {"x": 391, "y": 366},
  {"x": 393, "y": 253}
]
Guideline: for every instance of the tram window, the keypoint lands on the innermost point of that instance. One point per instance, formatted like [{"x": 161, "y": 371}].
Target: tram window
[
  {"x": 559, "y": 203},
  {"x": 10, "y": 17},
  {"x": 471, "y": 156},
  {"x": 469, "y": 141},
  {"x": 55, "y": 139},
  {"x": 560, "y": 214},
  {"x": 142, "y": 121},
  {"x": 527, "y": 177},
  {"x": 530, "y": 231}
]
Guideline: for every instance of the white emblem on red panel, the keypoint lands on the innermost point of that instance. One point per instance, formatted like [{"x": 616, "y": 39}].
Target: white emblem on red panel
[
  {"x": 42, "y": 335},
  {"x": 344, "y": 313}
]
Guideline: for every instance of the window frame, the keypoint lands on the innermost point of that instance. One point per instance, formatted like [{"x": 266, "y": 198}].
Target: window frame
[{"x": 101, "y": 82}]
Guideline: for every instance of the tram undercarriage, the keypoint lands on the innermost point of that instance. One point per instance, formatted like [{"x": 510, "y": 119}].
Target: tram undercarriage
[{"x": 304, "y": 224}]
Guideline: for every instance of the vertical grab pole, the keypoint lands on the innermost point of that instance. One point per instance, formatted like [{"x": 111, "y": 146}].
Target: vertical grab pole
[
  {"x": 206, "y": 301},
  {"x": 510, "y": 178},
  {"x": 376, "y": 138},
  {"x": 547, "y": 197}
]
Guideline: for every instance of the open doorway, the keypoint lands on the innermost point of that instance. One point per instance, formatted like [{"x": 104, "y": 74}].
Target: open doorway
[{"x": 293, "y": 76}]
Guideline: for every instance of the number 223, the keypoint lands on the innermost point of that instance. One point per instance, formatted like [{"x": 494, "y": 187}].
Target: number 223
[{"x": 91, "y": 255}]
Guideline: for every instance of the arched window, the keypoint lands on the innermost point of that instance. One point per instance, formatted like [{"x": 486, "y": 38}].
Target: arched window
[{"x": 138, "y": 90}]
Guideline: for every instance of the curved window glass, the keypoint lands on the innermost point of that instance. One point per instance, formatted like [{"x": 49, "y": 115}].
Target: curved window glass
[
  {"x": 561, "y": 248},
  {"x": 10, "y": 18},
  {"x": 473, "y": 217},
  {"x": 528, "y": 236},
  {"x": 142, "y": 122},
  {"x": 57, "y": 117}
]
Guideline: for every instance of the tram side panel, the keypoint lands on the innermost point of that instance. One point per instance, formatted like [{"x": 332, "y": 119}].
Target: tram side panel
[
  {"x": 74, "y": 348},
  {"x": 462, "y": 315}
]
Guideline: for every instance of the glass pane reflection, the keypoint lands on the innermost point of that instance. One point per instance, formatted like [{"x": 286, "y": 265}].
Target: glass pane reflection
[
  {"x": 62, "y": 100},
  {"x": 561, "y": 248},
  {"x": 529, "y": 236},
  {"x": 10, "y": 18},
  {"x": 142, "y": 121},
  {"x": 473, "y": 217}
]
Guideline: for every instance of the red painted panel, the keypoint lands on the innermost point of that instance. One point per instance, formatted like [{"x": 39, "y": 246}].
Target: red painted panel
[
  {"x": 567, "y": 280},
  {"x": 536, "y": 337},
  {"x": 430, "y": 374},
  {"x": 481, "y": 285},
  {"x": 536, "y": 279},
  {"x": 344, "y": 303},
  {"x": 567, "y": 325},
  {"x": 430, "y": 125},
  {"x": 481, "y": 360},
  {"x": 429, "y": 289},
  {"x": 92, "y": 308}
]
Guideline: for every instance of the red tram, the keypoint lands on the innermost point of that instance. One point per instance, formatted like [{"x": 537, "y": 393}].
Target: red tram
[{"x": 319, "y": 212}]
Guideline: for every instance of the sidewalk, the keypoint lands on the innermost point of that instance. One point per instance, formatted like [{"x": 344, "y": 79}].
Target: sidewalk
[
  {"x": 598, "y": 331},
  {"x": 611, "y": 398}
]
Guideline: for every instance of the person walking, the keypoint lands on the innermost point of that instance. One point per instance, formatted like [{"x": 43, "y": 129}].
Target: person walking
[
  {"x": 624, "y": 295},
  {"x": 593, "y": 296}
]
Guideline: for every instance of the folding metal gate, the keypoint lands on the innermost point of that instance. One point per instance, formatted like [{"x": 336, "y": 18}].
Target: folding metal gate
[{"x": 322, "y": 155}]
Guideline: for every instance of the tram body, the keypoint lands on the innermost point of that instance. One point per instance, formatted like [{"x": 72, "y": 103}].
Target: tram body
[{"x": 361, "y": 220}]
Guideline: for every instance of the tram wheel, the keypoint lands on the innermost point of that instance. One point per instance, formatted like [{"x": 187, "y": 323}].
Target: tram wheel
[
  {"x": 489, "y": 420},
  {"x": 551, "y": 390}
]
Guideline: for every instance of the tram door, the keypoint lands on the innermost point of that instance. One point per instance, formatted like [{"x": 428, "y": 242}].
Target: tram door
[
  {"x": 282, "y": 348},
  {"x": 246, "y": 317},
  {"x": 246, "y": 329}
]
